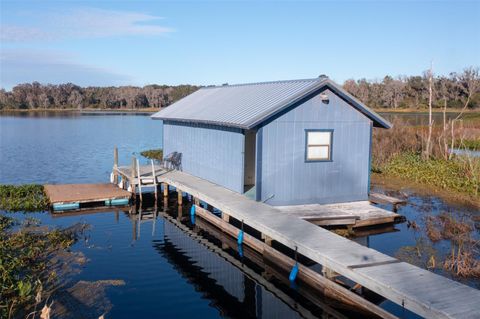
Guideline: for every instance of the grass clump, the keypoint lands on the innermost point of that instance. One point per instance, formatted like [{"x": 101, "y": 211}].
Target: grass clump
[
  {"x": 155, "y": 154},
  {"x": 463, "y": 259},
  {"x": 447, "y": 174},
  {"x": 28, "y": 270},
  {"x": 29, "y": 198}
]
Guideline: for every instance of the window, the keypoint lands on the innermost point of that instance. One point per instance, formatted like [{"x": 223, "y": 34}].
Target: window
[{"x": 318, "y": 145}]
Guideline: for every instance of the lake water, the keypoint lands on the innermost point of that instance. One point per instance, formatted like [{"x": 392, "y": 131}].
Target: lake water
[
  {"x": 169, "y": 270},
  {"x": 71, "y": 147}
]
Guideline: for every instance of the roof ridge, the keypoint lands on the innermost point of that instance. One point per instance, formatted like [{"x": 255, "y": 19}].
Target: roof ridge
[{"x": 263, "y": 83}]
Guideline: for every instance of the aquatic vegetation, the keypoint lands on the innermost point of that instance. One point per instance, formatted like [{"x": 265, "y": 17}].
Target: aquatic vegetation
[
  {"x": 463, "y": 260},
  {"x": 470, "y": 144},
  {"x": 30, "y": 264},
  {"x": 448, "y": 174},
  {"x": 84, "y": 299},
  {"x": 422, "y": 254},
  {"x": 26, "y": 198},
  {"x": 155, "y": 154},
  {"x": 400, "y": 152}
]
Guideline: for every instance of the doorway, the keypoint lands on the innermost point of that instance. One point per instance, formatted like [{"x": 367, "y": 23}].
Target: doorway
[{"x": 249, "y": 162}]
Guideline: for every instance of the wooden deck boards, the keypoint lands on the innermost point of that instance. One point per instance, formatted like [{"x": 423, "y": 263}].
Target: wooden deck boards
[
  {"x": 418, "y": 290},
  {"x": 385, "y": 199},
  {"x": 81, "y": 193},
  {"x": 357, "y": 214}
]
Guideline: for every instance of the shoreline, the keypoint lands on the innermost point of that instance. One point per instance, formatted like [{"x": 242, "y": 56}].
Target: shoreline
[
  {"x": 86, "y": 110},
  {"x": 399, "y": 184},
  {"x": 155, "y": 109},
  {"x": 425, "y": 111}
]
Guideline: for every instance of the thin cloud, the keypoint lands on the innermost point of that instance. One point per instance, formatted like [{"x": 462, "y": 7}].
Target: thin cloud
[
  {"x": 85, "y": 23},
  {"x": 22, "y": 66}
]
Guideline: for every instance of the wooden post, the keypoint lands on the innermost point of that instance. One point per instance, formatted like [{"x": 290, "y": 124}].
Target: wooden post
[
  {"x": 115, "y": 165},
  {"x": 328, "y": 273},
  {"x": 154, "y": 181},
  {"x": 225, "y": 217},
  {"x": 180, "y": 197},
  {"x": 268, "y": 240},
  {"x": 132, "y": 178},
  {"x": 165, "y": 190},
  {"x": 180, "y": 213},
  {"x": 139, "y": 181}
]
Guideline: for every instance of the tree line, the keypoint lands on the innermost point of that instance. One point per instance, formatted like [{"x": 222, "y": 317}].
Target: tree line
[
  {"x": 457, "y": 90},
  {"x": 70, "y": 96}
]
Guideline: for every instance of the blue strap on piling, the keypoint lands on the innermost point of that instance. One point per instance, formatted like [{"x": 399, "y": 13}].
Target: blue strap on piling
[
  {"x": 240, "y": 237},
  {"x": 240, "y": 250},
  {"x": 294, "y": 271},
  {"x": 192, "y": 215},
  {"x": 192, "y": 210}
]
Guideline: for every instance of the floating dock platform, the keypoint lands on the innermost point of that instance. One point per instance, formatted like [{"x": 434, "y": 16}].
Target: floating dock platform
[{"x": 74, "y": 196}]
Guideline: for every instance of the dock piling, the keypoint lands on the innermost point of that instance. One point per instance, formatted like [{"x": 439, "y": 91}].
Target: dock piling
[
  {"x": 179, "y": 197},
  {"x": 165, "y": 190},
  {"x": 139, "y": 179},
  {"x": 115, "y": 165},
  {"x": 154, "y": 181}
]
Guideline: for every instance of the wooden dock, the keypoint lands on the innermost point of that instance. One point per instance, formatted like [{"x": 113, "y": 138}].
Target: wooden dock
[
  {"x": 378, "y": 198},
  {"x": 352, "y": 214},
  {"x": 416, "y": 289}
]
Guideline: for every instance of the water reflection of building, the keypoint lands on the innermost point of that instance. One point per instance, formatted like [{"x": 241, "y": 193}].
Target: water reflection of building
[{"x": 232, "y": 292}]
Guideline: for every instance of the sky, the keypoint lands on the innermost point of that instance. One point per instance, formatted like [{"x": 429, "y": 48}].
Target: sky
[{"x": 135, "y": 42}]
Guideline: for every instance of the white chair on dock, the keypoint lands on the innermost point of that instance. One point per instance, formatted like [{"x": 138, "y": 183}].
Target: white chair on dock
[{"x": 173, "y": 161}]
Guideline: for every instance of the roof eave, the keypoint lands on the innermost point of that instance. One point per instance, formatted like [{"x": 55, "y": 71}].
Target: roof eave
[{"x": 224, "y": 124}]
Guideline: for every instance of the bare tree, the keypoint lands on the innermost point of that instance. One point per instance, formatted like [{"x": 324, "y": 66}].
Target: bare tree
[
  {"x": 428, "y": 149},
  {"x": 469, "y": 83}
]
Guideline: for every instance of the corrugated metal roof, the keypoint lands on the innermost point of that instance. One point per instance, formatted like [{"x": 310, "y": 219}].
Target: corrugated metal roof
[{"x": 247, "y": 105}]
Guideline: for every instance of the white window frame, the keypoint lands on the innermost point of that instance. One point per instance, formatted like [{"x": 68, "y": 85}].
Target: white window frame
[{"x": 309, "y": 145}]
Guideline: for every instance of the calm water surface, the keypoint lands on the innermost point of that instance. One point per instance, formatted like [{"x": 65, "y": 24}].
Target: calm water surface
[
  {"x": 71, "y": 147},
  {"x": 168, "y": 272}
]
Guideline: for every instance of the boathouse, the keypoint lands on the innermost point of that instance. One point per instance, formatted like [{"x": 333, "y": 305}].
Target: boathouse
[{"x": 283, "y": 143}]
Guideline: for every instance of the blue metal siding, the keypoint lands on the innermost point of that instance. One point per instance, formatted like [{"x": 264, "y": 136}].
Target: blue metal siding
[
  {"x": 290, "y": 180},
  {"x": 211, "y": 152}
]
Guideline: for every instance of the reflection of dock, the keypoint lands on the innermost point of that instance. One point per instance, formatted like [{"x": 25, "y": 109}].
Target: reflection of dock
[{"x": 234, "y": 288}]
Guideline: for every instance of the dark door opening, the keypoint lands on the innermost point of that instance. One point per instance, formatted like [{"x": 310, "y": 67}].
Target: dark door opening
[{"x": 249, "y": 162}]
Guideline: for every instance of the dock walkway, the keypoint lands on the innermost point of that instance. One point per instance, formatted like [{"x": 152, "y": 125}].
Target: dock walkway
[{"x": 418, "y": 290}]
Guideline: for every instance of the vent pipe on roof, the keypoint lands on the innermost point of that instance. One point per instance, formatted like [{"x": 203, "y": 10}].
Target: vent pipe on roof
[{"x": 322, "y": 76}]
